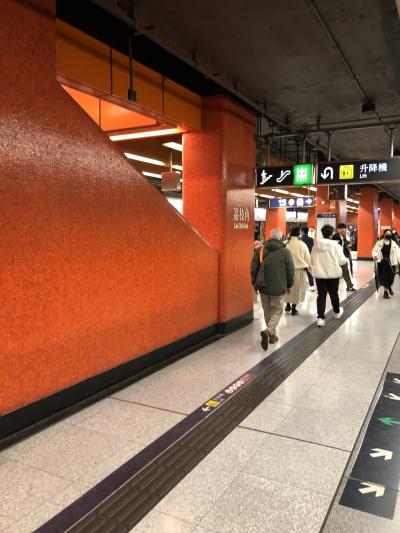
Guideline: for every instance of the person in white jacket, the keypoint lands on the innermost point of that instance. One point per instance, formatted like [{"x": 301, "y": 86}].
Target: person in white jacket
[
  {"x": 387, "y": 255},
  {"x": 327, "y": 259}
]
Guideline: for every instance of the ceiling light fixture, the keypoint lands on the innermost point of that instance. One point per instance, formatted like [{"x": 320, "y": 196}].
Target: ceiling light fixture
[
  {"x": 143, "y": 159},
  {"x": 145, "y": 134},
  {"x": 296, "y": 194},
  {"x": 174, "y": 146},
  {"x": 177, "y": 167},
  {"x": 152, "y": 175},
  {"x": 266, "y": 196},
  {"x": 281, "y": 191}
]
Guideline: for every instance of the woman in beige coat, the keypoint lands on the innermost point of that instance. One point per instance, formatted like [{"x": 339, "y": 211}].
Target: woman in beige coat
[{"x": 301, "y": 259}]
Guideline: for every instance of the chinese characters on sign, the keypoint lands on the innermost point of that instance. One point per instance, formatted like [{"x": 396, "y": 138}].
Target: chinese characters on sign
[
  {"x": 359, "y": 172},
  {"x": 241, "y": 218}
]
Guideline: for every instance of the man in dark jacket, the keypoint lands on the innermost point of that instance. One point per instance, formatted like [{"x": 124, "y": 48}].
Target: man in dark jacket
[
  {"x": 340, "y": 237},
  {"x": 309, "y": 241},
  {"x": 279, "y": 278}
]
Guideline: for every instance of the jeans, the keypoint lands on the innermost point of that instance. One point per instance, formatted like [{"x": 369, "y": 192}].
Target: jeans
[{"x": 325, "y": 286}]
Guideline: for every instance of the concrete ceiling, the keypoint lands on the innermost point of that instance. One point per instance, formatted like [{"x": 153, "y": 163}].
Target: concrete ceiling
[{"x": 303, "y": 58}]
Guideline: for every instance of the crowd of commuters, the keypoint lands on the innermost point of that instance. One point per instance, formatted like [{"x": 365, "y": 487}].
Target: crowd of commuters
[{"x": 285, "y": 265}]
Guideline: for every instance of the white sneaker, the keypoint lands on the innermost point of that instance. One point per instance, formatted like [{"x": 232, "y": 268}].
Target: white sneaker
[
  {"x": 320, "y": 322},
  {"x": 338, "y": 315}
]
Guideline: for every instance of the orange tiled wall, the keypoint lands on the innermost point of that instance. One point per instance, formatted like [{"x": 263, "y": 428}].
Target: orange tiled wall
[{"x": 96, "y": 267}]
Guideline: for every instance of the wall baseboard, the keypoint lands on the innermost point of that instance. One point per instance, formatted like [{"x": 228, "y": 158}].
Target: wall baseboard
[
  {"x": 31, "y": 418},
  {"x": 235, "y": 323}
]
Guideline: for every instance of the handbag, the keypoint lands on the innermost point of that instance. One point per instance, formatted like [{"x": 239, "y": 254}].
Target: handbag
[{"x": 259, "y": 283}]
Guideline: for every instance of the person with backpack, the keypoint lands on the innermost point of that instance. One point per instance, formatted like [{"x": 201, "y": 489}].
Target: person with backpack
[{"x": 272, "y": 274}]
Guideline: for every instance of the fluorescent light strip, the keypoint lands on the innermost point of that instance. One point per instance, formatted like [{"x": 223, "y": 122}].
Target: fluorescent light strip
[
  {"x": 281, "y": 191},
  {"x": 143, "y": 159},
  {"x": 151, "y": 175},
  {"x": 266, "y": 196},
  {"x": 296, "y": 194},
  {"x": 150, "y": 161},
  {"x": 174, "y": 146},
  {"x": 144, "y": 134}
]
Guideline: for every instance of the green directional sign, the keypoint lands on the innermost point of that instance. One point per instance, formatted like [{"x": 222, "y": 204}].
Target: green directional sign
[
  {"x": 302, "y": 174},
  {"x": 388, "y": 421}
]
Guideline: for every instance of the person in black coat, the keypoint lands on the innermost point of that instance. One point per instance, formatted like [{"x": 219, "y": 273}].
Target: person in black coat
[
  {"x": 309, "y": 241},
  {"x": 340, "y": 237}
]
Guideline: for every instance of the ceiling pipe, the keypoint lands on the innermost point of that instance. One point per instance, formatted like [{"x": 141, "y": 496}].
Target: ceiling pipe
[
  {"x": 391, "y": 151},
  {"x": 332, "y": 130},
  {"x": 341, "y": 54},
  {"x": 123, "y": 17}
]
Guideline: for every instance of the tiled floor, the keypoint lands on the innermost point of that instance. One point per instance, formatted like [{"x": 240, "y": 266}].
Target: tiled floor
[{"x": 277, "y": 472}]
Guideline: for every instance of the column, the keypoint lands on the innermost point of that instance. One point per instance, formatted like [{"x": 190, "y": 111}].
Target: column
[
  {"x": 218, "y": 198},
  {"x": 322, "y": 204},
  {"x": 312, "y": 217},
  {"x": 341, "y": 211},
  {"x": 396, "y": 216},
  {"x": 386, "y": 216},
  {"x": 367, "y": 222},
  {"x": 276, "y": 218}
]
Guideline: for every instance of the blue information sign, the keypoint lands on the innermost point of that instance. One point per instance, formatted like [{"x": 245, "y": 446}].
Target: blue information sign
[{"x": 306, "y": 201}]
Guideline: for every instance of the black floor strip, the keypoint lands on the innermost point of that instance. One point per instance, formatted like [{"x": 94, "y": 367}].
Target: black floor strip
[{"x": 122, "y": 499}]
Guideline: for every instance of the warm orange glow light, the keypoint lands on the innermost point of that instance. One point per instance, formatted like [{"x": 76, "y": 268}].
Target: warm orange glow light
[{"x": 144, "y": 134}]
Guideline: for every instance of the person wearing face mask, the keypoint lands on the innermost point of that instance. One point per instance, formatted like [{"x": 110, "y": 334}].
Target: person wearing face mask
[{"x": 387, "y": 255}]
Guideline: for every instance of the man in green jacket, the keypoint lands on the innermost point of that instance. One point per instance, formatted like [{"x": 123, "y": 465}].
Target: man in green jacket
[{"x": 279, "y": 278}]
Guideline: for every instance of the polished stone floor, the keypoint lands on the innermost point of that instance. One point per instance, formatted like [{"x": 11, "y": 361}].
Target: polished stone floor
[{"x": 278, "y": 471}]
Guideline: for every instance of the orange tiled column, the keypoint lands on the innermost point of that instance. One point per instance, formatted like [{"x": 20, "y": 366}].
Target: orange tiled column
[
  {"x": 276, "y": 218},
  {"x": 218, "y": 197},
  {"x": 396, "y": 216},
  {"x": 312, "y": 217},
  {"x": 386, "y": 217},
  {"x": 367, "y": 221},
  {"x": 322, "y": 204},
  {"x": 341, "y": 211}
]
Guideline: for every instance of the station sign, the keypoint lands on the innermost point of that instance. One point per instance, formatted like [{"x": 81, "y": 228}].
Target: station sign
[
  {"x": 289, "y": 176},
  {"x": 376, "y": 171},
  {"x": 307, "y": 201}
]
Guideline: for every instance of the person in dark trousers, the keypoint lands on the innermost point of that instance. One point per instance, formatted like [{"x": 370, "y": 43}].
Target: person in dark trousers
[
  {"x": 309, "y": 241},
  {"x": 387, "y": 254},
  {"x": 327, "y": 258},
  {"x": 279, "y": 278},
  {"x": 340, "y": 237}
]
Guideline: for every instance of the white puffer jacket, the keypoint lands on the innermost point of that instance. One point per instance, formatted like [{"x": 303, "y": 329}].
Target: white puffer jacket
[
  {"x": 394, "y": 252},
  {"x": 300, "y": 253},
  {"x": 327, "y": 258}
]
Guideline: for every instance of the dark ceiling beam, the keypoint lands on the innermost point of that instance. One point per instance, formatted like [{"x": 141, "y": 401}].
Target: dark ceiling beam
[{"x": 123, "y": 17}]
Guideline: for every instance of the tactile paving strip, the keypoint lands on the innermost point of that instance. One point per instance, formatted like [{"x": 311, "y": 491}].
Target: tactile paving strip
[{"x": 121, "y": 511}]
